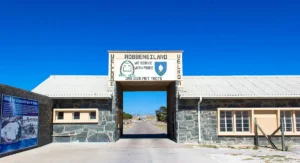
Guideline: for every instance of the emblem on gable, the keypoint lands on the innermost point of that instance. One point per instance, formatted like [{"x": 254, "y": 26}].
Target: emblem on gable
[
  {"x": 126, "y": 69},
  {"x": 160, "y": 68}
]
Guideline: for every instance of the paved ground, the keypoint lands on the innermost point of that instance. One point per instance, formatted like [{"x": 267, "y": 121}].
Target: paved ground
[{"x": 143, "y": 143}]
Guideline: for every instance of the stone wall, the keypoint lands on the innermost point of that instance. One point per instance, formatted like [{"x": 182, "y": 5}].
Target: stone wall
[
  {"x": 171, "y": 110},
  {"x": 45, "y": 112},
  {"x": 188, "y": 121},
  {"x": 104, "y": 131},
  {"x": 117, "y": 108}
]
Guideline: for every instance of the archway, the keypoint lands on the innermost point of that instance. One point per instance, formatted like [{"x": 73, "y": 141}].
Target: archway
[
  {"x": 145, "y": 71},
  {"x": 169, "y": 87}
]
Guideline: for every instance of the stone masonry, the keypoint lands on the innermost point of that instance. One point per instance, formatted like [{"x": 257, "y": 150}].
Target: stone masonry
[
  {"x": 104, "y": 131},
  {"x": 171, "y": 110},
  {"x": 188, "y": 121},
  {"x": 117, "y": 109}
]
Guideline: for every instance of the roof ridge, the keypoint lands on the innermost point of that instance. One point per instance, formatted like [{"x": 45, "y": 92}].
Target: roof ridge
[{"x": 39, "y": 85}]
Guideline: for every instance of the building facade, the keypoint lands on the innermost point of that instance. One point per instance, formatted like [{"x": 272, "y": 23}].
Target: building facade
[{"x": 206, "y": 109}]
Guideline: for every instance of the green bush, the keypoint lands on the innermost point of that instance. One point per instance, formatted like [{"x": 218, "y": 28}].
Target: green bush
[
  {"x": 161, "y": 114},
  {"x": 127, "y": 116}
]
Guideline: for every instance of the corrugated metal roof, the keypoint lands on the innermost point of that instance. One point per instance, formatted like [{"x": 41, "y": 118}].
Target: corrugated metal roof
[
  {"x": 59, "y": 86},
  {"x": 69, "y": 86},
  {"x": 240, "y": 87}
]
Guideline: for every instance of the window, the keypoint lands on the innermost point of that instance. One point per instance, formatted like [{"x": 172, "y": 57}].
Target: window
[
  {"x": 297, "y": 115},
  {"x": 76, "y": 115},
  {"x": 60, "y": 115},
  {"x": 226, "y": 121},
  {"x": 242, "y": 121},
  {"x": 286, "y": 116},
  {"x": 92, "y": 115}
]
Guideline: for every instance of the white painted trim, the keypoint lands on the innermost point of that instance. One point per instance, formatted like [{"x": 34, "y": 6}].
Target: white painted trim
[
  {"x": 72, "y": 111},
  {"x": 199, "y": 122}
]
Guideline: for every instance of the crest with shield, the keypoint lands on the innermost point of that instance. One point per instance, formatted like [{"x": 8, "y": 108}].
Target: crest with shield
[{"x": 160, "y": 68}]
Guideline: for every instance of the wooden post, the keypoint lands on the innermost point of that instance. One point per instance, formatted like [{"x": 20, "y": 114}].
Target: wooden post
[
  {"x": 256, "y": 133},
  {"x": 266, "y": 136},
  {"x": 282, "y": 134}
]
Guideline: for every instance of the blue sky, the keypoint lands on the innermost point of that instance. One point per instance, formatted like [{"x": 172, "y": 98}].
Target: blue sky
[{"x": 219, "y": 37}]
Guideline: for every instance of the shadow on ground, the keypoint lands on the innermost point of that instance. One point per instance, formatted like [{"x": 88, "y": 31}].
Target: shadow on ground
[{"x": 144, "y": 136}]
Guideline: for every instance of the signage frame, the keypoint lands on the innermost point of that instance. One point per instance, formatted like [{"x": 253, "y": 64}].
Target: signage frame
[{"x": 22, "y": 143}]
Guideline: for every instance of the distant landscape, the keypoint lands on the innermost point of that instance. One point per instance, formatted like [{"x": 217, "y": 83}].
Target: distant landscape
[{"x": 159, "y": 120}]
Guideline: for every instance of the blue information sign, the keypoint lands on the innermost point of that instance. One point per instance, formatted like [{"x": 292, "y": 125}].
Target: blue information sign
[{"x": 18, "y": 123}]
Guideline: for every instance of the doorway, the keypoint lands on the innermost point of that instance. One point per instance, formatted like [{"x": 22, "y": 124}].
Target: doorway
[
  {"x": 154, "y": 120},
  {"x": 145, "y": 114}
]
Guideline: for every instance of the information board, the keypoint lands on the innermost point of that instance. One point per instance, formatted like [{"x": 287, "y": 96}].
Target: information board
[{"x": 18, "y": 123}]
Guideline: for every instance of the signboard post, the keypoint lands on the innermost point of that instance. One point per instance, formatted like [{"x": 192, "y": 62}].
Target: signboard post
[{"x": 19, "y": 123}]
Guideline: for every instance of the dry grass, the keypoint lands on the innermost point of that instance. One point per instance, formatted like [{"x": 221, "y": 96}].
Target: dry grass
[
  {"x": 237, "y": 154},
  {"x": 275, "y": 158},
  {"x": 161, "y": 126},
  {"x": 208, "y": 146},
  {"x": 127, "y": 126},
  {"x": 150, "y": 118}
]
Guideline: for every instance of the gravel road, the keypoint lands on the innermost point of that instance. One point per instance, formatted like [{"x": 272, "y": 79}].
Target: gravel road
[{"x": 144, "y": 134}]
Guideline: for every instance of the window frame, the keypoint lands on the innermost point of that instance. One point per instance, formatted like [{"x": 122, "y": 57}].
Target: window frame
[
  {"x": 233, "y": 115},
  {"x": 242, "y": 121},
  {"x": 91, "y": 115},
  {"x": 225, "y": 121},
  {"x": 295, "y": 120},
  {"x": 284, "y": 119},
  {"x": 252, "y": 116},
  {"x": 84, "y": 117},
  {"x": 75, "y": 117},
  {"x": 58, "y": 117}
]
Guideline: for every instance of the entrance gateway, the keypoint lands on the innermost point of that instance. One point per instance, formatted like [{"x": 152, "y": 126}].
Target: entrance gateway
[
  {"x": 208, "y": 109},
  {"x": 145, "y": 71}
]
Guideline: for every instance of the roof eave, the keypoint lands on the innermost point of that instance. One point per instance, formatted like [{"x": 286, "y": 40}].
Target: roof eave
[
  {"x": 240, "y": 97},
  {"x": 80, "y": 96},
  {"x": 77, "y": 97}
]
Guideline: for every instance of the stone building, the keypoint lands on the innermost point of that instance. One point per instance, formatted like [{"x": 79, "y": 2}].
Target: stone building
[{"x": 206, "y": 109}]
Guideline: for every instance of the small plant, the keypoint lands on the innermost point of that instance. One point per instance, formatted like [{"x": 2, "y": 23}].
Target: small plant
[
  {"x": 231, "y": 147},
  {"x": 247, "y": 159},
  {"x": 287, "y": 148},
  {"x": 237, "y": 154},
  {"x": 209, "y": 146},
  {"x": 277, "y": 156},
  {"x": 270, "y": 156}
]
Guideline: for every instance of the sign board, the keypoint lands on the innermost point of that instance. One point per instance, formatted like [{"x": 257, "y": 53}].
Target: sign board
[
  {"x": 19, "y": 123},
  {"x": 146, "y": 70},
  {"x": 145, "y": 66}
]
